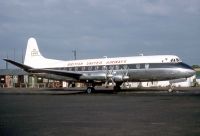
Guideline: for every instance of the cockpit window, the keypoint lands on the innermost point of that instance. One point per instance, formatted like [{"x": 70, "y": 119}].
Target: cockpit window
[{"x": 175, "y": 60}]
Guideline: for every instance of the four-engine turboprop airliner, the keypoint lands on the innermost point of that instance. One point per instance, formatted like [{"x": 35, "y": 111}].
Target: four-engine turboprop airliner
[{"x": 106, "y": 70}]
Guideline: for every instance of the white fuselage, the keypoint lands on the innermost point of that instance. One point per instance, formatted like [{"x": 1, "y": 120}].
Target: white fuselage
[
  {"x": 51, "y": 63},
  {"x": 138, "y": 68}
]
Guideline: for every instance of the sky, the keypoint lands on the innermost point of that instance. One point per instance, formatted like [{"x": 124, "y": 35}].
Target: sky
[{"x": 97, "y": 28}]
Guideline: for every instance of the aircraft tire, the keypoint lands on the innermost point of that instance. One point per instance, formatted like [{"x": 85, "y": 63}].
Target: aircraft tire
[
  {"x": 117, "y": 88},
  {"x": 89, "y": 90},
  {"x": 171, "y": 89}
]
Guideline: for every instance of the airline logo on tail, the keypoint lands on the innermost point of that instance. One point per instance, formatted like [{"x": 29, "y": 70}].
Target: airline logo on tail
[{"x": 34, "y": 52}]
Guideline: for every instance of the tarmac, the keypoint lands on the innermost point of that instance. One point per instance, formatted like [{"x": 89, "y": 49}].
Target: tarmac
[
  {"x": 100, "y": 90},
  {"x": 132, "y": 112}
]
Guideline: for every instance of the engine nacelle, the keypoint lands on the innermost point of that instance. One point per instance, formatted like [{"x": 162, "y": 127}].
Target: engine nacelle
[{"x": 117, "y": 78}]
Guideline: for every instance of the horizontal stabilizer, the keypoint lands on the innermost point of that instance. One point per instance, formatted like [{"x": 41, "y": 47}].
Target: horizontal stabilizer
[
  {"x": 22, "y": 66},
  {"x": 48, "y": 71}
]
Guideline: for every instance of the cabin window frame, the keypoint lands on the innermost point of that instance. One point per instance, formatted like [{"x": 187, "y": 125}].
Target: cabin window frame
[
  {"x": 146, "y": 66},
  {"x": 137, "y": 66}
]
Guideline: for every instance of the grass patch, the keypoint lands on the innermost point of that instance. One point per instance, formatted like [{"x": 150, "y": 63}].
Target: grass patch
[{"x": 198, "y": 74}]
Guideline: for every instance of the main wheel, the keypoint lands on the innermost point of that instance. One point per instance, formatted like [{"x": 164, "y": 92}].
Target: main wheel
[
  {"x": 117, "y": 88},
  {"x": 89, "y": 90}
]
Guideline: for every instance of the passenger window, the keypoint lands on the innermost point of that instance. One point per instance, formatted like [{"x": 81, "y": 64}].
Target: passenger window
[
  {"x": 111, "y": 67},
  {"x": 70, "y": 69},
  {"x": 100, "y": 67},
  {"x": 104, "y": 68},
  {"x": 90, "y": 68},
  {"x": 137, "y": 66},
  {"x": 146, "y": 66},
  {"x": 96, "y": 67},
  {"x": 117, "y": 67},
  {"x": 125, "y": 66},
  {"x": 83, "y": 68}
]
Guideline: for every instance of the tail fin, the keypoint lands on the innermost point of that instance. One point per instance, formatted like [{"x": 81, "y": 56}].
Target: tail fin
[{"x": 33, "y": 57}]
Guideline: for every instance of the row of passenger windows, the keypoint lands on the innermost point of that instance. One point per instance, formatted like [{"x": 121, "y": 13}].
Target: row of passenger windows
[{"x": 108, "y": 67}]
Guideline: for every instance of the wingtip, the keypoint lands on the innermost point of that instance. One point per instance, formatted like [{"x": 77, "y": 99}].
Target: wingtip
[
  {"x": 8, "y": 60},
  {"x": 5, "y": 59}
]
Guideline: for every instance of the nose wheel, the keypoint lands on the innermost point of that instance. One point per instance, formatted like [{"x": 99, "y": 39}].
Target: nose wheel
[{"x": 171, "y": 88}]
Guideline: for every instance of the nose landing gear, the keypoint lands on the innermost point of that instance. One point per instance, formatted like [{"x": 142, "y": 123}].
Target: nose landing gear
[{"x": 171, "y": 88}]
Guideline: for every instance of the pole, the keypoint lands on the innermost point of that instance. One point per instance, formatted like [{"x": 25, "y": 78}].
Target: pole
[
  {"x": 14, "y": 54},
  {"x": 22, "y": 56},
  {"x": 7, "y": 62},
  {"x": 74, "y": 51}
]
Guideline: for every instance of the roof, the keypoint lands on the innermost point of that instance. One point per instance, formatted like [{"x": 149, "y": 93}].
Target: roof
[{"x": 12, "y": 72}]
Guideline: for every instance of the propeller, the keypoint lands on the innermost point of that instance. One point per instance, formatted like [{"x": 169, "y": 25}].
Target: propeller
[
  {"x": 109, "y": 76},
  {"x": 125, "y": 76},
  {"x": 125, "y": 72}
]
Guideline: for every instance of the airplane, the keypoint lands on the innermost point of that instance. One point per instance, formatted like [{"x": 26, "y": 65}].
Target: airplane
[{"x": 115, "y": 71}]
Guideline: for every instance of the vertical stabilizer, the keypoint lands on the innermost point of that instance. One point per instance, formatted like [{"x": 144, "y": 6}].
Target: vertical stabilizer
[
  {"x": 33, "y": 55},
  {"x": 34, "y": 58}
]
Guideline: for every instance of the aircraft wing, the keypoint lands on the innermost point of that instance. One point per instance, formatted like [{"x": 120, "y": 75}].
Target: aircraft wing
[
  {"x": 45, "y": 70},
  {"x": 57, "y": 72}
]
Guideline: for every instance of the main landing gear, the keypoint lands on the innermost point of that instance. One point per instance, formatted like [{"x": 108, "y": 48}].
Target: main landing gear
[
  {"x": 117, "y": 87},
  {"x": 90, "y": 87},
  {"x": 89, "y": 90}
]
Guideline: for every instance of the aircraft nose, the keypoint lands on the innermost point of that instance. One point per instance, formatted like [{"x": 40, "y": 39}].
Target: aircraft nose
[{"x": 191, "y": 72}]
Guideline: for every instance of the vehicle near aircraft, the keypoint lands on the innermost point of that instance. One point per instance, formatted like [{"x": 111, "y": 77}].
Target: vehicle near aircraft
[{"x": 117, "y": 70}]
